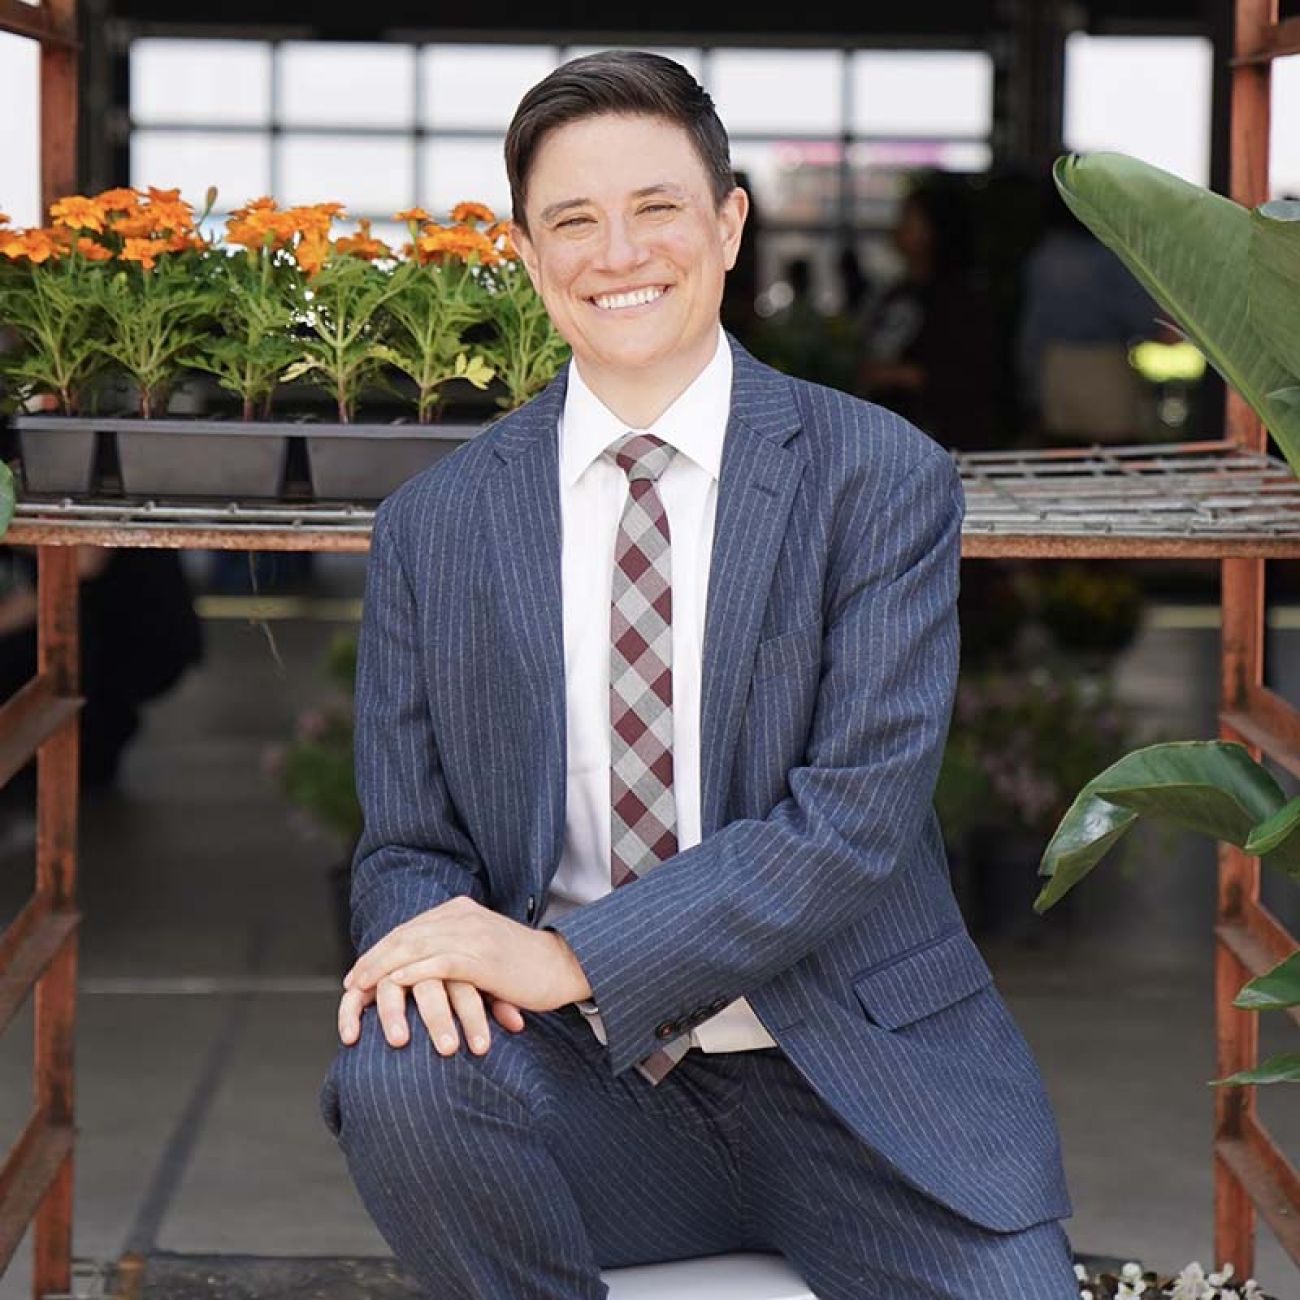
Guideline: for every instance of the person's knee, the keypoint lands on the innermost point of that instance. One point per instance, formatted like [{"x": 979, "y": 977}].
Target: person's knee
[{"x": 380, "y": 1096}]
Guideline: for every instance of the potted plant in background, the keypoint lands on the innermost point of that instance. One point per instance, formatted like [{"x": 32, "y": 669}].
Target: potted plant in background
[
  {"x": 136, "y": 285},
  {"x": 45, "y": 306},
  {"x": 315, "y": 771},
  {"x": 136, "y": 292},
  {"x": 1192, "y": 1283},
  {"x": 1020, "y": 741},
  {"x": 410, "y": 318},
  {"x": 1035, "y": 713}
]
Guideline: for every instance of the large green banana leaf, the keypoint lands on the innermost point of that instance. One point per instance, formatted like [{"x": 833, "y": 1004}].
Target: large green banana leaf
[
  {"x": 1274, "y": 991},
  {"x": 1192, "y": 250},
  {"x": 1278, "y": 838},
  {"x": 1273, "y": 295},
  {"x": 1210, "y": 786},
  {"x": 6, "y": 497},
  {"x": 1282, "y": 1068}
]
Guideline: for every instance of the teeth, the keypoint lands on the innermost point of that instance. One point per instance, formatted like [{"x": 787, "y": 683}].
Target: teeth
[{"x": 613, "y": 301}]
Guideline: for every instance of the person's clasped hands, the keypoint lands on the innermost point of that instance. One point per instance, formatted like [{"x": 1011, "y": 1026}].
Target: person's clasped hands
[{"x": 458, "y": 960}]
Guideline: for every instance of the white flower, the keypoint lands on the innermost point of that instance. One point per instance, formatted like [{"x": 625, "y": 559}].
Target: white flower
[
  {"x": 1085, "y": 1295},
  {"x": 1131, "y": 1272},
  {"x": 1081, "y": 1272},
  {"x": 1218, "y": 1279},
  {"x": 1252, "y": 1290},
  {"x": 1190, "y": 1284}
]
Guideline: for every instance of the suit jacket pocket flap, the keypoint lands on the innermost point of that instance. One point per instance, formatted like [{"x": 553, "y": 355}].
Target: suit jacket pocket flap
[
  {"x": 922, "y": 982},
  {"x": 788, "y": 650}
]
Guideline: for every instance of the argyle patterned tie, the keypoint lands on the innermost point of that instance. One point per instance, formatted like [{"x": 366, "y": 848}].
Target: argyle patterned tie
[{"x": 643, "y": 816}]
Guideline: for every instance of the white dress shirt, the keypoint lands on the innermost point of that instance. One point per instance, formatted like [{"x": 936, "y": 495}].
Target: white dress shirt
[{"x": 593, "y": 492}]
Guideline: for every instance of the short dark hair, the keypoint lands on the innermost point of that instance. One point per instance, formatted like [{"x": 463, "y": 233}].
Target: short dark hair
[{"x": 632, "y": 82}]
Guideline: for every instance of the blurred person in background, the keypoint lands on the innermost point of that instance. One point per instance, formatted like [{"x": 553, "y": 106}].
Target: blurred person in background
[
  {"x": 1082, "y": 311},
  {"x": 138, "y": 635},
  {"x": 929, "y": 350}
]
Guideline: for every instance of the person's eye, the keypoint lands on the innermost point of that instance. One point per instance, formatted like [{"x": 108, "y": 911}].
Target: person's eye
[
  {"x": 659, "y": 207},
  {"x": 572, "y": 221}
]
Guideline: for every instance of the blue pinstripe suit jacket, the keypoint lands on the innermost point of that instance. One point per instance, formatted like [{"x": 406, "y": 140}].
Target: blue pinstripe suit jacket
[{"x": 820, "y": 890}]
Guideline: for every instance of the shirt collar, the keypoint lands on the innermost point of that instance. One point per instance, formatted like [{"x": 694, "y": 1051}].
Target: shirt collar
[{"x": 695, "y": 424}]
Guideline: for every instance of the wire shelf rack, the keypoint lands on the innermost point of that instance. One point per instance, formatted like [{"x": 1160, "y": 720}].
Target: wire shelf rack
[{"x": 1195, "y": 499}]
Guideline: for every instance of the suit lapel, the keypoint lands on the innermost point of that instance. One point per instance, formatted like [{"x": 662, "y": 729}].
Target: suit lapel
[
  {"x": 756, "y": 487},
  {"x": 522, "y": 502}
]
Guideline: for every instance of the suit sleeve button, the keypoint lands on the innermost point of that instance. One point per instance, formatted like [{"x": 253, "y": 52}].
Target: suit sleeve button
[
  {"x": 717, "y": 1004},
  {"x": 532, "y": 906},
  {"x": 665, "y": 1030}
]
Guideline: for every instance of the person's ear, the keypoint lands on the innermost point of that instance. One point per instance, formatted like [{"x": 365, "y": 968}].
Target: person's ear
[
  {"x": 527, "y": 253},
  {"x": 731, "y": 224}
]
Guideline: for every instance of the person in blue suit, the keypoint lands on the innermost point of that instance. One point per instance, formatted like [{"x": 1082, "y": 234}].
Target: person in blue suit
[{"x": 659, "y": 955}]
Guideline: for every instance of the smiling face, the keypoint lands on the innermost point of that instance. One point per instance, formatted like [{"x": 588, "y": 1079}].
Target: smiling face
[{"x": 629, "y": 250}]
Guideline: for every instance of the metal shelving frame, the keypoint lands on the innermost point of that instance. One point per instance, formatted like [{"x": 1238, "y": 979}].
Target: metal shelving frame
[
  {"x": 38, "y": 949},
  {"x": 1252, "y": 1176},
  {"x": 1227, "y": 500}
]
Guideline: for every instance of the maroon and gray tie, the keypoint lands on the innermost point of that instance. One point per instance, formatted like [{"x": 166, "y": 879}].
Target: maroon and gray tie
[{"x": 643, "y": 828}]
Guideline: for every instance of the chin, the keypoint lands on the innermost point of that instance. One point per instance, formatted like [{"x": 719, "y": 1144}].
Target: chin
[{"x": 633, "y": 356}]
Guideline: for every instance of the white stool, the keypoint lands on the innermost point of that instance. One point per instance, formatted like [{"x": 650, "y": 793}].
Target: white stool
[{"x": 716, "y": 1277}]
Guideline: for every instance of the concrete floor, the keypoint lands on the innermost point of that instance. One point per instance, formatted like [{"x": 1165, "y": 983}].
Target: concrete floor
[{"x": 209, "y": 966}]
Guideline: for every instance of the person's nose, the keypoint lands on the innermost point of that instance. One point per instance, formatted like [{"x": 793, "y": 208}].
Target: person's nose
[{"x": 620, "y": 251}]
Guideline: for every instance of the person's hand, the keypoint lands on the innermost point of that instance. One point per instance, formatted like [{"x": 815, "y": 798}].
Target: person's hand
[
  {"x": 462, "y": 941},
  {"x": 440, "y": 1003}
]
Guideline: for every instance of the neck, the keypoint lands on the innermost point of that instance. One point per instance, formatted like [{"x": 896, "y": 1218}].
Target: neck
[{"x": 640, "y": 397}]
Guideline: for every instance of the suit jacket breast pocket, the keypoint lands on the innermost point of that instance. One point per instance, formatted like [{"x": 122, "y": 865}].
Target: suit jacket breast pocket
[{"x": 788, "y": 650}]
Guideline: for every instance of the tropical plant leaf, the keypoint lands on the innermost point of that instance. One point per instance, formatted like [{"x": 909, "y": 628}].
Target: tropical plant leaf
[
  {"x": 1273, "y": 285},
  {"x": 1278, "y": 835},
  {"x": 6, "y": 497},
  {"x": 1273, "y": 991},
  {"x": 1190, "y": 249},
  {"x": 1282, "y": 1068},
  {"x": 1286, "y": 404},
  {"x": 1213, "y": 787},
  {"x": 300, "y": 368},
  {"x": 1087, "y": 832}
]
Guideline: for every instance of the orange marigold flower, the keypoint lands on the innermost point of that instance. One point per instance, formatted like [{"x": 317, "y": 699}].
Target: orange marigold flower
[
  {"x": 467, "y": 212},
  {"x": 317, "y": 218},
  {"x": 265, "y": 204},
  {"x": 35, "y": 245},
  {"x": 260, "y": 228},
  {"x": 438, "y": 243},
  {"x": 362, "y": 244},
  {"x": 164, "y": 196},
  {"x": 435, "y": 241},
  {"x": 144, "y": 251},
  {"x": 92, "y": 251},
  {"x": 138, "y": 225},
  {"x": 312, "y": 252},
  {"x": 78, "y": 213},
  {"x": 500, "y": 236},
  {"x": 122, "y": 199},
  {"x": 4, "y": 218},
  {"x": 171, "y": 216},
  {"x": 412, "y": 214}
]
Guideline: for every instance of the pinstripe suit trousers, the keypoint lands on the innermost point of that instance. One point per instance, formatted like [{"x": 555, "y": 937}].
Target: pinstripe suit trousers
[{"x": 518, "y": 1175}]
